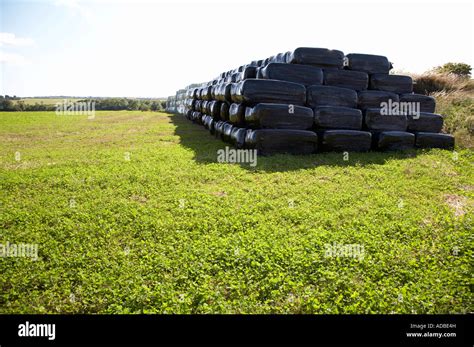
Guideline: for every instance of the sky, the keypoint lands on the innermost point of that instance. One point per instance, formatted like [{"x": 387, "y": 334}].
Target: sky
[{"x": 153, "y": 48}]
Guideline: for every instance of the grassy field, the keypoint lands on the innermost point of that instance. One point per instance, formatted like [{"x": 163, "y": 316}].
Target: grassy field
[{"x": 132, "y": 213}]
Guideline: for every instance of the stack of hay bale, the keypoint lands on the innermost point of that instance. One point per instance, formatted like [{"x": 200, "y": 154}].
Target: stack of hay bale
[{"x": 315, "y": 99}]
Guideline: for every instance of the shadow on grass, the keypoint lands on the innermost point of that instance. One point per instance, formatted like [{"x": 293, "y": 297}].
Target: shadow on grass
[{"x": 205, "y": 147}]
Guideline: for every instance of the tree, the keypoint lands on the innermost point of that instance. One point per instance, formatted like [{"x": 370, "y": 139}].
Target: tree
[
  {"x": 6, "y": 105},
  {"x": 458, "y": 69}
]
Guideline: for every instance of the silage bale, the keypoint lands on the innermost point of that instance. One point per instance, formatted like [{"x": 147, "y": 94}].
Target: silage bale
[
  {"x": 425, "y": 122},
  {"x": 320, "y": 57},
  {"x": 356, "y": 80},
  {"x": 331, "y": 96},
  {"x": 249, "y": 72},
  {"x": 433, "y": 140},
  {"x": 237, "y": 114},
  {"x": 368, "y": 63},
  {"x": 215, "y": 109},
  {"x": 391, "y": 83},
  {"x": 346, "y": 140},
  {"x": 226, "y": 132},
  {"x": 393, "y": 140},
  {"x": 253, "y": 91},
  {"x": 237, "y": 137},
  {"x": 279, "y": 116},
  {"x": 271, "y": 141},
  {"x": 374, "y": 98},
  {"x": 427, "y": 103},
  {"x": 337, "y": 117},
  {"x": 374, "y": 120},
  {"x": 224, "y": 112},
  {"x": 303, "y": 74}
]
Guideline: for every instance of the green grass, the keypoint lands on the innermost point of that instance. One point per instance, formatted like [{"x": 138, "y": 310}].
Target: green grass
[{"x": 174, "y": 231}]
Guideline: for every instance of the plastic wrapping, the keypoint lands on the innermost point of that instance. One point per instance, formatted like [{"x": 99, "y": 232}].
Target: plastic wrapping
[
  {"x": 321, "y": 57},
  {"x": 368, "y": 63},
  {"x": 215, "y": 109},
  {"x": 218, "y": 129},
  {"x": 224, "y": 112},
  {"x": 425, "y": 122},
  {"x": 253, "y": 91},
  {"x": 331, "y": 96},
  {"x": 237, "y": 114},
  {"x": 206, "y": 93},
  {"x": 375, "y": 121},
  {"x": 226, "y": 132},
  {"x": 431, "y": 140},
  {"x": 279, "y": 116},
  {"x": 303, "y": 74},
  {"x": 393, "y": 140},
  {"x": 197, "y": 105},
  {"x": 374, "y": 98},
  {"x": 336, "y": 117},
  {"x": 249, "y": 72},
  {"x": 346, "y": 140},
  {"x": 427, "y": 103},
  {"x": 270, "y": 141},
  {"x": 204, "y": 106},
  {"x": 237, "y": 137},
  {"x": 391, "y": 83},
  {"x": 356, "y": 80}
]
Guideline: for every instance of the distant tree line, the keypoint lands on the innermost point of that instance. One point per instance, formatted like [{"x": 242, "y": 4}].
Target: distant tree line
[{"x": 8, "y": 103}]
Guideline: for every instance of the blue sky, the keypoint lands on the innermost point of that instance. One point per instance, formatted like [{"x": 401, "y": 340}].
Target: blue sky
[{"x": 151, "y": 48}]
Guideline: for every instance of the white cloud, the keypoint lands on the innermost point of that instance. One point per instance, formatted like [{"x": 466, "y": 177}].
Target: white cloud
[
  {"x": 12, "y": 40},
  {"x": 13, "y": 58}
]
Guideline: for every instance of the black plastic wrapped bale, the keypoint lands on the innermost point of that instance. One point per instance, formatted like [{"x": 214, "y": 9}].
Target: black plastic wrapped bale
[
  {"x": 279, "y": 116},
  {"x": 374, "y": 120},
  {"x": 331, "y": 96},
  {"x": 391, "y": 83},
  {"x": 236, "y": 77},
  {"x": 199, "y": 93},
  {"x": 206, "y": 93},
  {"x": 425, "y": 122},
  {"x": 206, "y": 121},
  {"x": 238, "y": 137},
  {"x": 321, "y": 57},
  {"x": 271, "y": 141},
  {"x": 394, "y": 140},
  {"x": 336, "y": 117},
  {"x": 427, "y": 103},
  {"x": 254, "y": 91},
  {"x": 303, "y": 74},
  {"x": 374, "y": 98},
  {"x": 218, "y": 129},
  {"x": 224, "y": 113},
  {"x": 237, "y": 114},
  {"x": 356, "y": 80},
  {"x": 189, "y": 114},
  {"x": 211, "y": 125},
  {"x": 226, "y": 132},
  {"x": 346, "y": 140},
  {"x": 197, "y": 116},
  {"x": 204, "y": 106},
  {"x": 195, "y": 93},
  {"x": 213, "y": 92},
  {"x": 433, "y": 140},
  {"x": 249, "y": 72},
  {"x": 368, "y": 63},
  {"x": 258, "y": 73},
  {"x": 215, "y": 109},
  {"x": 197, "y": 105}
]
